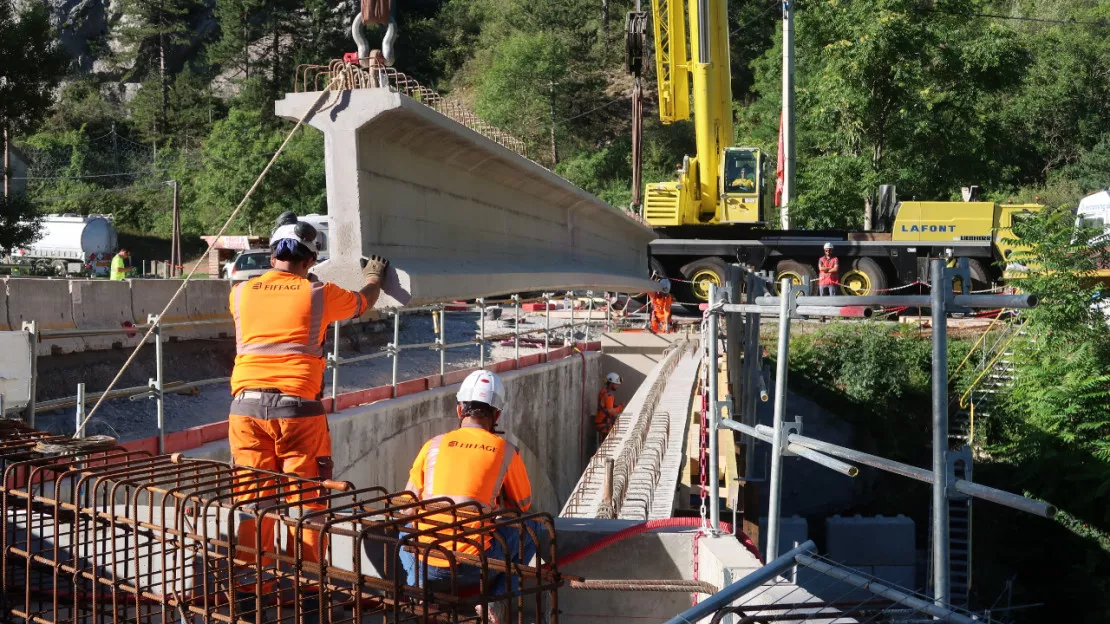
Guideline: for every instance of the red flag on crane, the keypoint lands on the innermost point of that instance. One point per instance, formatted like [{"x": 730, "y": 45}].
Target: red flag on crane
[{"x": 779, "y": 170}]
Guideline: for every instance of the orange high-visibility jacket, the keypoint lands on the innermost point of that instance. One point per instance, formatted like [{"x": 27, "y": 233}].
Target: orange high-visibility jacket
[
  {"x": 607, "y": 411},
  {"x": 469, "y": 464},
  {"x": 280, "y": 323},
  {"x": 661, "y": 304}
]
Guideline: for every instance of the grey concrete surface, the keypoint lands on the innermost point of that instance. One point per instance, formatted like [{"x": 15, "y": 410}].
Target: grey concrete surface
[{"x": 459, "y": 215}]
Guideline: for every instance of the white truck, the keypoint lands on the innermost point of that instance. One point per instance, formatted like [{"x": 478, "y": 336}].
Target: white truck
[
  {"x": 320, "y": 222},
  {"x": 70, "y": 244}
]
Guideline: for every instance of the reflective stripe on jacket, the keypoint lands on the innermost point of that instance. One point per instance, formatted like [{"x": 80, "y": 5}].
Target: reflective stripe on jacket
[
  {"x": 474, "y": 465},
  {"x": 280, "y": 323}
]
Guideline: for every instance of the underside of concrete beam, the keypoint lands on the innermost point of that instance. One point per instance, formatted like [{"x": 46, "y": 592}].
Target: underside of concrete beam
[{"x": 459, "y": 215}]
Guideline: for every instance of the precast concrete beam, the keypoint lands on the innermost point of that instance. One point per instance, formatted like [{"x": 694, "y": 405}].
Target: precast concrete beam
[{"x": 458, "y": 215}]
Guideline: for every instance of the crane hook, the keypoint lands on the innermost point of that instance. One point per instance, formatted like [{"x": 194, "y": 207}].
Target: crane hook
[{"x": 364, "y": 50}]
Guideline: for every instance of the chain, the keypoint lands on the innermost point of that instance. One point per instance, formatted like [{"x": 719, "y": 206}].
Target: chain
[
  {"x": 703, "y": 448},
  {"x": 697, "y": 538}
]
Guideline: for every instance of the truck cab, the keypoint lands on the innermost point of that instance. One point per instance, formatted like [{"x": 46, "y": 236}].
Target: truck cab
[{"x": 741, "y": 185}]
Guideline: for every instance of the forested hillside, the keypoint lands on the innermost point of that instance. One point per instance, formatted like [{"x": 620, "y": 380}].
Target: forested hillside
[{"x": 930, "y": 96}]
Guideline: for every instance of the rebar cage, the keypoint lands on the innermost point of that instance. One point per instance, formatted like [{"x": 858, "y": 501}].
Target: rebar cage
[{"x": 96, "y": 533}]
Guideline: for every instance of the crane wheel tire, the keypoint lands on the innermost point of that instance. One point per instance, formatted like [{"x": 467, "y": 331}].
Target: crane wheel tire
[
  {"x": 865, "y": 277},
  {"x": 980, "y": 279},
  {"x": 58, "y": 267},
  {"x": 702, "y": 273},
  {"x": 797, "y": 271}
]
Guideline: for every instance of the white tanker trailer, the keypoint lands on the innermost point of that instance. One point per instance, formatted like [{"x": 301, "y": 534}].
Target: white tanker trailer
[{"x": 70, "y": 244}]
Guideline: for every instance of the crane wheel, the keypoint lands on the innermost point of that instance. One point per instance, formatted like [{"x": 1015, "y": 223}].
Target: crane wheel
[
  {"x": 798, "y": 272},
  {"x": 865, "y": 277},
  {"x": 980, "y": 279},
  {"x": 701, "y": 273}
]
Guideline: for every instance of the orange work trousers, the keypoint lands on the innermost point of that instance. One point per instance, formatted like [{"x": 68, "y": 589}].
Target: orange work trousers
[{"x": 286, "y": 446}]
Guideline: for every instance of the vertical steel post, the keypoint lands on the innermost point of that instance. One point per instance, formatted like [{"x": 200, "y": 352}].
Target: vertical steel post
[
  {"x": 589, "y": 313},
  {"x": 29, "y": 412},
  {"x": 335, "y": 368},
  {"x": 79, "y": 429},
  {"x": 396, "y": 346},
  {"x": 573, "y": 336},
  {"x": 609, "y": 311},
  {"x": 482, "y": 334},
  {"x": 712, "y": 373},
  {"x": 774, "y": 505},
  {"x": 516, "y": 332},
  {"x": 442, "y": 344},
  {"x": 940, "y": 432},
  {"x": 3, "y": 413},
  {"x": 547, "y": 327},
  {"x": 159, "y": 396},
  {"x": 787, "y": 120}
]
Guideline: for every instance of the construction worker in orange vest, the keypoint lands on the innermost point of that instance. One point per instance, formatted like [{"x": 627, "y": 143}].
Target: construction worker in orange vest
[
  {"x": 607, "y": 409},
  {"x": 661, "y": 302},
  {"x": 472, "y": 464},
  {"x": 277, "y": 422}
]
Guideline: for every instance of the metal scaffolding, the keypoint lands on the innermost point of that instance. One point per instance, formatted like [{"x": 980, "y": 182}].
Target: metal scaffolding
[{"x": 742, "y": 346}]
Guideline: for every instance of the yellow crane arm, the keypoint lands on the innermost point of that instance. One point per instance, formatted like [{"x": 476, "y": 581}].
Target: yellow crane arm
[{"x": 671, "y": 59}]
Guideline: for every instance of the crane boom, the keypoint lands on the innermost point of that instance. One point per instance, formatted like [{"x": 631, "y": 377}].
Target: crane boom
[{"x": 721, "y": 183}]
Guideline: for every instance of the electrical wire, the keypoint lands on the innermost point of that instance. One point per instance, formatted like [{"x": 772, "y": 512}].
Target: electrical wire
[
  {"x": 84, "y": 177},
  {"x": 592, "y": 110},
  {"x": 100, "y": 192},
  {"x": 1102, "y": 23}
]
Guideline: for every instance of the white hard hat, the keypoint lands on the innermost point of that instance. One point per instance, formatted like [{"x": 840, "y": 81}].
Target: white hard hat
[
  {"x": 828, "y": 245},
  {"x": 484, "y": 387},
  {"x": 613, "y": 378},
  {"x": 665, "y": 285}
]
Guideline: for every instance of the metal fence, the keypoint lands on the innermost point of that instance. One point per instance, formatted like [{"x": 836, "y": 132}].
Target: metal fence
[{"x": 157, "y": 387}]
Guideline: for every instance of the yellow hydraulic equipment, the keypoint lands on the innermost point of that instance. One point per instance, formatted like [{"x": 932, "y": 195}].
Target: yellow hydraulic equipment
[{"x": 722, "y": 183}]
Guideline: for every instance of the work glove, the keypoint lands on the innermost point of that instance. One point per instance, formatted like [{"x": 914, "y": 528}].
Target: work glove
[{"x": 374, "y": 267}]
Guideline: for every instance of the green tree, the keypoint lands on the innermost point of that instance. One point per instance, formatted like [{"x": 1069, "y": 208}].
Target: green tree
[
  {"x": 520, "y": 90},
  {"x": 31, "y": 65},
  {"x": 888, "y": 93},
  {"x": 236, "y": 152},
  {"x": 19, "y": 223},
  {"x": 148, "y": 37}
]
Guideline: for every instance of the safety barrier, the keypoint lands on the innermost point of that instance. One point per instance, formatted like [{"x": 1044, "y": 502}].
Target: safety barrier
[
  {"x": 4, "y": 325},
  {"x": 207, "y": 300},
  {"x": 150, "y": 297},
  {"x": 47, "y": 303},
  {"x": 98, "y": 304}
]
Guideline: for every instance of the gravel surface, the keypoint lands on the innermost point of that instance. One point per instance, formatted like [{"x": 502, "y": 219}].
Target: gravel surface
[{"x": 133, "y": 419}]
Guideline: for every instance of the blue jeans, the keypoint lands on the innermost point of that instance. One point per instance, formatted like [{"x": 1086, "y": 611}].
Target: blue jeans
[
  {"x": 500, "y": 583},
  {"x": 828, "y": 290}
]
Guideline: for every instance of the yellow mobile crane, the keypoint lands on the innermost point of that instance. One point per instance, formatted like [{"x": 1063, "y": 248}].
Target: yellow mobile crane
[
  {"x": 722, "y": 183},
  {"x": 714, "y": 211}
]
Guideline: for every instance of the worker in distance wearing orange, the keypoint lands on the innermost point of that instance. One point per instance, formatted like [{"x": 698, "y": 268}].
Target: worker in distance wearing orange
[
  {"x": 661, "y": 302},
  {"x": 473, "y": 464},
  {"x": 277, "y": 422},
  {"x": 607, "y": 408}
]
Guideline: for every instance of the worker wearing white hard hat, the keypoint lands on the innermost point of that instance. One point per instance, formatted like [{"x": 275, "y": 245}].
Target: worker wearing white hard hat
[
  {"x": 829, "y": 268},
  {"x": 607, "y": 408},
  {"x": 472, "y": 464}
]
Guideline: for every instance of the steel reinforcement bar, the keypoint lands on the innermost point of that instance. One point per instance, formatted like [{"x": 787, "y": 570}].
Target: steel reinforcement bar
[{"x": 94, "y": 533}]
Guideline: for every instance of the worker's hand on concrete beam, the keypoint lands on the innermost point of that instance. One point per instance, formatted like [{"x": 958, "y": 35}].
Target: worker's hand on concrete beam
[{"x": 373, "y": 268}]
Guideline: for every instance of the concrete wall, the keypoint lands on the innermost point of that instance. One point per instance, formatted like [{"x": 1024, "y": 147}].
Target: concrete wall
[
  {"x": 375, "y": 444},
  {"x": 632, "y": 355},
  {"x": 459, "y": 215}
]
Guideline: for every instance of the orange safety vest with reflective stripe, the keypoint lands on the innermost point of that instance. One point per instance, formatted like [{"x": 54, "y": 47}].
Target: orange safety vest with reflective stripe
[
  {"x": 280, "y": 323},
  {"x": 832, "y": 265},
  {"x": 469, "y": 464},
  {"x": 607, "y": 411}
]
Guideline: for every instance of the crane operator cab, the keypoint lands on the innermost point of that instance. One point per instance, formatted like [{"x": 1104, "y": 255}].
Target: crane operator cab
[{"x": 741, "y": 182}]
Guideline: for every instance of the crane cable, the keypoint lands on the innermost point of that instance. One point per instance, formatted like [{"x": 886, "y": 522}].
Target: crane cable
[{"x": 308, "y": 113}]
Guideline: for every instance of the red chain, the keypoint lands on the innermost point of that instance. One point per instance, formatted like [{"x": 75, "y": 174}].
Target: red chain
[{"x": 694, "y": 596}]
